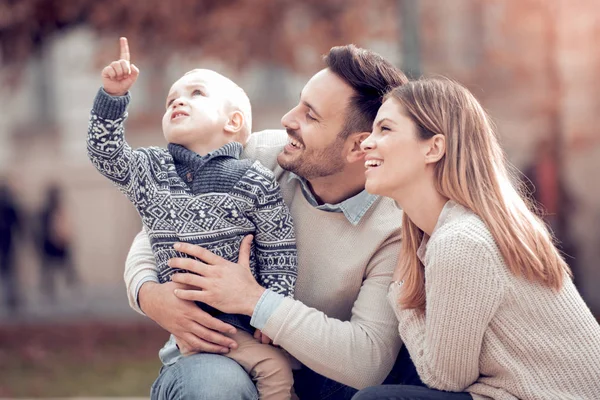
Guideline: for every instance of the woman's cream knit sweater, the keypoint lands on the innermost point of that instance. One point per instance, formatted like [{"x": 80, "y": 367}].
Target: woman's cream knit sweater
[{"x": 490, "y": 333}]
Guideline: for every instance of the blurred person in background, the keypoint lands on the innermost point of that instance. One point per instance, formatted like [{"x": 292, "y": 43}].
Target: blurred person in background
[
  {"x": 10, "y": 224},
  {"x": 485, "y": 303},
  {"x": 544, "y": 182},
  {"x": 54, "y": 242},
  {"x": 339, "y": 326}
]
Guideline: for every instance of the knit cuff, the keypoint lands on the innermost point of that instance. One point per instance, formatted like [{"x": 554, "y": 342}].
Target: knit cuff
[
  {"x": 266, "y": 306},
  {"x": 110, "y": 107},
  {"x": 134, "y": 302}
]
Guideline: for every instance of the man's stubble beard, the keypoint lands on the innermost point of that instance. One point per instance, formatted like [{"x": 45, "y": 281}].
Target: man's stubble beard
[{"x": 312, "y": 164}]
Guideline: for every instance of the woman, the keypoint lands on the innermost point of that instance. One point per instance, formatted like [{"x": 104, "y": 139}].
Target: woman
[{"x": 485, "y": 303}]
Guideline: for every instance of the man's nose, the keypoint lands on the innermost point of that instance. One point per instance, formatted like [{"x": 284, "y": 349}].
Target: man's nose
[{"x": 289, "y": 120}]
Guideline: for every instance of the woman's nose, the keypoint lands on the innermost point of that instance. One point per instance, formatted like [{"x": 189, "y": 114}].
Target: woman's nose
[{"x": 367, "y": 144}]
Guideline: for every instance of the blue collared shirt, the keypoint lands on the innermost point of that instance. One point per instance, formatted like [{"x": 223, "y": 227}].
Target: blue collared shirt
[{"x": 353, "y": 208}]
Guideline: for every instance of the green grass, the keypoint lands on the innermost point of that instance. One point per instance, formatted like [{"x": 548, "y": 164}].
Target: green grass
[{"x": 93, "y": 359}]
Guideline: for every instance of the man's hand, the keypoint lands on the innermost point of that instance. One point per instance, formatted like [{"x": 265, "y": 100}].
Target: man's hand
[
  {"x": 196, "y": 331},
  {"x": 226, "y": 286},
  {"x": 120, "y": 75}
]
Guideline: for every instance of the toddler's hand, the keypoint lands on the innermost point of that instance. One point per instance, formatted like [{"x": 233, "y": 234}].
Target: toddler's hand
[
  {"x": 261, "y": 337},
  {"x": 119, "y": 76}
]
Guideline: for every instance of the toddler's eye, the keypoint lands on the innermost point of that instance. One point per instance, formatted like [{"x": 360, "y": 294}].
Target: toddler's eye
[{"x": 197, "y": 92}]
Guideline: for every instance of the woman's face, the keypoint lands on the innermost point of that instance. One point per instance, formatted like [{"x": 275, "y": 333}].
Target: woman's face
[{"x": 395, "y": 156}]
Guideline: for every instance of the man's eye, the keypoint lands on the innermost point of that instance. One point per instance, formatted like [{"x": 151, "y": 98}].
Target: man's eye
[{"x": 310, "y": 117}]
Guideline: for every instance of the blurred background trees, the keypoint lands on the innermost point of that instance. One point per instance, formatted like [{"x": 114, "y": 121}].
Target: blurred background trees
[{"x": 238, "y": 31}]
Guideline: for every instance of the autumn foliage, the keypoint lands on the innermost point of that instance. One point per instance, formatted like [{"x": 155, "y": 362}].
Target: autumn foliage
[{"x": 237, "y": 31}]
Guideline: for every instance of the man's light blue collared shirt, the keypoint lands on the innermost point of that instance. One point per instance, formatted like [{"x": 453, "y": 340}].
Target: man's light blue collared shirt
[{"x": 353, "y": 208}]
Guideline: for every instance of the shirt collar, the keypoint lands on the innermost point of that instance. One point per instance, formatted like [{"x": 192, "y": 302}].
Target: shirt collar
[
  {"x": 181, "y": 155},
  {"x": 353, "y": 208}
]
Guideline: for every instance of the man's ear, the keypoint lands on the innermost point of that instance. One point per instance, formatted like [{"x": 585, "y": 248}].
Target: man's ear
[
  {"x": 436, "y": 149},
  {"x": 235, "y": 122},
  {"x": 355, "y": 152}
]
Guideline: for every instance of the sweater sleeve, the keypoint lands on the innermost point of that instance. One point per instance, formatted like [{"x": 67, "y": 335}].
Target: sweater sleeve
[
  {"x": 463, "y": 292},
  {"x": 140, "y": 267},
  {"x": 275, "y": 243},
  {"x": 265, "y": 146},
  {"x": 110, "y": 153},
  {"x": 359, "y": 352}
]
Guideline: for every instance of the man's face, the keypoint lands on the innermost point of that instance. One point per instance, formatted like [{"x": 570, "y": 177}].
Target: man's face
[{"x": 315, "y": 148}]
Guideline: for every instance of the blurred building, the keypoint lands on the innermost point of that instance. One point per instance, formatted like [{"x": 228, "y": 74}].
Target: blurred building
[{"x": 532, "y": 63}]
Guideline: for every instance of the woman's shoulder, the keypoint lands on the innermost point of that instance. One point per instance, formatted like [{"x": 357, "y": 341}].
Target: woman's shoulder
[
  {"x": 464, "y": 246},
  {"x": 464, "y": 231}
]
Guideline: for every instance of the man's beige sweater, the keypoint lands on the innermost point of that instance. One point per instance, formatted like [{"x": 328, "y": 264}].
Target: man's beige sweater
[
  {"x": 490, "y": 333},
  {"x": 339, "y": 324}
]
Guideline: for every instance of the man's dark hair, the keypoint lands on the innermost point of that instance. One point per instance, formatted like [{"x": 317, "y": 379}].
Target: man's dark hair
[{"x": 371, "y": 77}]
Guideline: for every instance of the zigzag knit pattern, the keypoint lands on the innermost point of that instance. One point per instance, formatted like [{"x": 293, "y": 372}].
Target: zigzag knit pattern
[{"x": 214, "y": 211}]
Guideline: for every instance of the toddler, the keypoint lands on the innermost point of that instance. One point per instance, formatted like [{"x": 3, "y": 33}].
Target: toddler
[{"x": 198, "y": 191}]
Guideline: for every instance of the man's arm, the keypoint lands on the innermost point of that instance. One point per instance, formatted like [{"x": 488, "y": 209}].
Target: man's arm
[
  {"x": 198, "y": 330},
  {"x": 357, "y": 353},
  {"x": 140, "y": 267},
  {"x": 264, "y": 146}
]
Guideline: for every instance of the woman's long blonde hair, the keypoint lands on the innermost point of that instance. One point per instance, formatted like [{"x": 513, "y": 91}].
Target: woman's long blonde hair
[{"x": 473, "y": 173}]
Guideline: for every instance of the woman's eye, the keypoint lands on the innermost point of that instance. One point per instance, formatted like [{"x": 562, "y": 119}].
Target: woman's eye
[{"x": 384, "y": 128}]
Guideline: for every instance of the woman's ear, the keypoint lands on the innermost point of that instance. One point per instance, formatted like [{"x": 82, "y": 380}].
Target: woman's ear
[
  {"x": 235, "y": 123},
  {"x": 355, "y": 152},
  {"x": 436, "y": 149}
]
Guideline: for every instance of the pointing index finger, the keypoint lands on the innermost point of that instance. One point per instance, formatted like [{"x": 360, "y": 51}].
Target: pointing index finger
[{"x": 124, "y": 49}]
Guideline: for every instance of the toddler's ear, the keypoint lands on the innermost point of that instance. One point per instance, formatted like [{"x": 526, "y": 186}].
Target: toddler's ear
[{"x": 235, "y": 123}]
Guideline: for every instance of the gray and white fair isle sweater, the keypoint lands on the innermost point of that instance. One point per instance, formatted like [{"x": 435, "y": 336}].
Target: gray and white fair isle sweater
[{"x": 213, "y": 200}]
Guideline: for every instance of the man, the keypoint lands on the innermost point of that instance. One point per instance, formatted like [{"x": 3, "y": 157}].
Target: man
[{"x": 339, "y": 326}]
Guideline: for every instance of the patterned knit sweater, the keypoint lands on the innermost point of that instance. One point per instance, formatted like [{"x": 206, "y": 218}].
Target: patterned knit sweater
[
  {"x": 490, "y": 333},
  {"x": 213, "y": 200}
]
